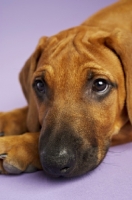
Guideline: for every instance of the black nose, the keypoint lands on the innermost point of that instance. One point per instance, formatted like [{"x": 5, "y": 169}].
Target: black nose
[{"x": 58, "y": 162}]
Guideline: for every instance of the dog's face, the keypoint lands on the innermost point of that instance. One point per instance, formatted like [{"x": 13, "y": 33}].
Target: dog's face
[{"x": 77, "y": 84}]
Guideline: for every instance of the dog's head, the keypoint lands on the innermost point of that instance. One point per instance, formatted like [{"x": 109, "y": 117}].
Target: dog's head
[{"x": 77, "y": 85}]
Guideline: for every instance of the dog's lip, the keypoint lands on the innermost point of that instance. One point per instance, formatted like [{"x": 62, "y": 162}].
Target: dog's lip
[
  {"x": 62, "y": 173},
  {"x": 71, "y": 173}
]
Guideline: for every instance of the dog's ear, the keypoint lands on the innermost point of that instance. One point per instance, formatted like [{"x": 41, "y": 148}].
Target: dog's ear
[
  {"x": 25, "y": 80},
  {"x": 29, "y": 67},
  {"x": 120, "y": 42}
]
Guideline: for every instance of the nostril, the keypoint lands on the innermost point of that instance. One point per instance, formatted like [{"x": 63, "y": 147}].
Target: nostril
[{"x": 64, "y": 170}]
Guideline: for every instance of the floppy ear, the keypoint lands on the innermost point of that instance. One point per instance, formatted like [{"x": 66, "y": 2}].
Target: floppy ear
[
  {"x": 25, "y": 77},
  {"x": 120, "y": 42}
]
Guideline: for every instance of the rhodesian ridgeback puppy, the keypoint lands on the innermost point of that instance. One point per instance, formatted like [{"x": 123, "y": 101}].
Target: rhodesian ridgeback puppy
[{"x": 78, "y": 85}]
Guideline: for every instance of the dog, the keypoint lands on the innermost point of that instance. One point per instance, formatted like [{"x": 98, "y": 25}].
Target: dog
[{"x": 78, "y": 89}]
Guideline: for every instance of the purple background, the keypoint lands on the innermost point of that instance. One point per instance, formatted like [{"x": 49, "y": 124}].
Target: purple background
[{"x": 22, "y": 23}]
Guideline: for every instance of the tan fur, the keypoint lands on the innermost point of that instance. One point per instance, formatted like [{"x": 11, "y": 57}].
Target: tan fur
[{"x": 99, "y": 48}]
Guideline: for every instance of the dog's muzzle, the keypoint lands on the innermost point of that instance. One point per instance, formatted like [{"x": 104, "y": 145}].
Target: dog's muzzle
[
  {"x": 58, "y": 151},
  {"x": 64, "y": 153}
]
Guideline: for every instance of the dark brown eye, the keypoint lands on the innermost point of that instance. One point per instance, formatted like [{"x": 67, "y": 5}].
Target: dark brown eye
[
  {"x": 100, "y": 86},
  {"x": 39, "y": 86}
]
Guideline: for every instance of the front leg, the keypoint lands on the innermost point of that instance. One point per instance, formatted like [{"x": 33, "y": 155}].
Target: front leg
[
  {"x": 19, "y": 153},
  {"x": 13, "y": 122}
]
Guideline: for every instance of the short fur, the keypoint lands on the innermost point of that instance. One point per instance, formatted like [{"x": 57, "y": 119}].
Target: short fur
[{"x": 68, "y": 125}]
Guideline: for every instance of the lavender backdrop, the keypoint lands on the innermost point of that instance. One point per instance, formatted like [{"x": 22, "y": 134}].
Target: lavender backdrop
[{"x": 22, "y": 23}]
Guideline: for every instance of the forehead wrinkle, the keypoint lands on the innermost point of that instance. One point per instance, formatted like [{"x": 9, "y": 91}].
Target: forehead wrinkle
[
  {"x": 47, "y": 68},
  {"x": 83, "y": 46},
  {"x": 61, "y": 46}
]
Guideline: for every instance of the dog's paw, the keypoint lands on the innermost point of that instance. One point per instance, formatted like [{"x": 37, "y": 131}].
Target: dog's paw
[
  {"x": 19, "y": 154},
  {"x": 8, "y": 124},
  {"x": 13, "y": 122}
]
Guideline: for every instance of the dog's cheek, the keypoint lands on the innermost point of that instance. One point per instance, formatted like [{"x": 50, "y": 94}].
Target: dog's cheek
[
  {"x": 42, "y": 112},
  {"x": 91, "y": 153}
]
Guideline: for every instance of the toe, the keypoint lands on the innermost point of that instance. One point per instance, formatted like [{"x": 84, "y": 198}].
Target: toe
[
  {"x": 31, "y": 169},
  {"x": 2, "y": 170},
  {"x": 11, "y": 169}
]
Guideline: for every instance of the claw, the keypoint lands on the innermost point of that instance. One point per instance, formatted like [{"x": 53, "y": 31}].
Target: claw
[{"x": 3, "y": 156}]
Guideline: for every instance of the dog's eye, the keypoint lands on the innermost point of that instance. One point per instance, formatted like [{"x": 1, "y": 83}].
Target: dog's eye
[
  {"x": 40, "y": 86},
  {"x": 100, "y": 86}
]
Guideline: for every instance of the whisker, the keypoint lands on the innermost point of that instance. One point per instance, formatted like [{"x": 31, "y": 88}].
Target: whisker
[
  {"x": 115, "y": 152},
  {"x": 111, "y": 164}
]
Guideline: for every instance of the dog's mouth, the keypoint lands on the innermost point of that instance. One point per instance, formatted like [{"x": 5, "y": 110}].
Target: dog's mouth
[
  {"x": 68, "y": 164},
  {"x": 67, "y": 156}
]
